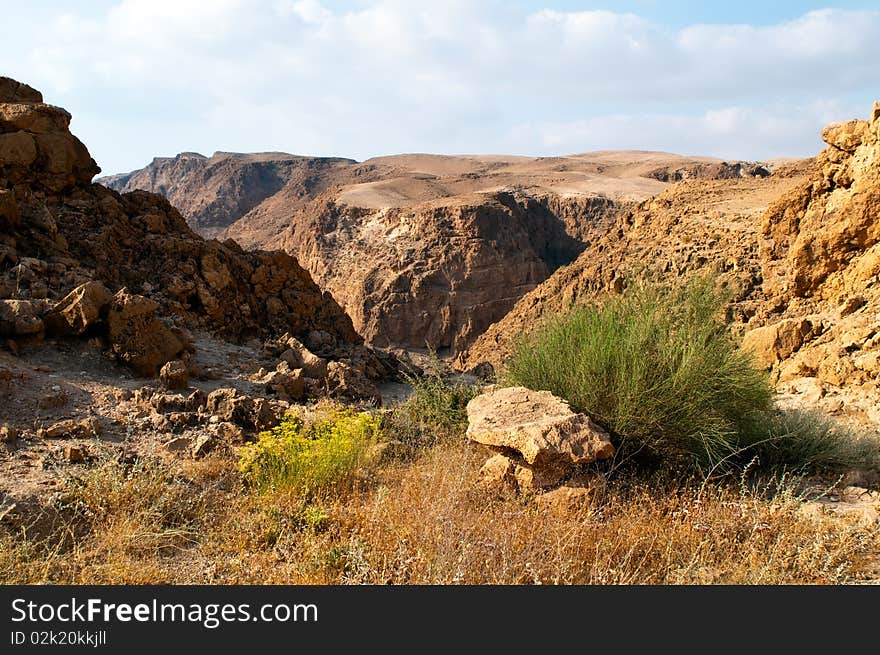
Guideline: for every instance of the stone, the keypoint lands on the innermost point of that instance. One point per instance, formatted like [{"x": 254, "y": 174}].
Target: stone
[
  {"x": 498, "y": 473},
  {"x": 539, "y": 426},
  {"x": 532, "y": 479},
  {"x": 846, "y": 135},
  {"x": 564, "y": 499},
  {"x": 203, "y": 445},
  {"x": 8, "y": 434},
  {"x": 80, "y": 310},
  {"x": 869, "y": 362},
  {"x": 345, "y": 381},
  {"x": 267, "y": 413},
  {"x": 174, "y": 375},
  {"x": 288, "y": 385},
  {"x": 297, "y": 356},
  {"x": 14, "y": 91},
  {"x": 196, "y": 400},
  {"x": 772, "y": 343},
  {"x": 229, "y": 432},
  {"x": 178, "y": 445},
  {"x": 231, "y": 406},
  {"x": 88, "y": 428},
  {"x": 138, "y": 337},
  {"x": 852, "y": 304},
  {"x": 165, "y": 403},
  {"x": 21, "y": 318},
  {"x": 74, "y": 454}
]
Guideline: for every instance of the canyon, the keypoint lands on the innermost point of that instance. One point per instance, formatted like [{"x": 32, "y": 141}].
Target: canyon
[{"x": 423, "y": 252}]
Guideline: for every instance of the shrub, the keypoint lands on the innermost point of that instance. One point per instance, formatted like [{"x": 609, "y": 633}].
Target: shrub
[
  {"x": 434, "y": 411},
  {"x": 310, "y": 455},
  {"x": 656, "y": 366}
]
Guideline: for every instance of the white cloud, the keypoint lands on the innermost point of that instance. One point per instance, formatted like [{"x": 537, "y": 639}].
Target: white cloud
[{"x": 159, "y": 76}]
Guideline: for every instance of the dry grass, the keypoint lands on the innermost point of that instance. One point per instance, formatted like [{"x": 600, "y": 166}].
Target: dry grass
[{"x": 428, "y": 522}]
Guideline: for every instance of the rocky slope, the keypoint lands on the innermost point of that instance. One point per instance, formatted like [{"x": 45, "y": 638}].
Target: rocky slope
[
  {"x": 800, "y": 251},
  {"x": 77, "y": 259},
  {"x": 820, "y": 255},
  {"x": 438, "y": 274}
]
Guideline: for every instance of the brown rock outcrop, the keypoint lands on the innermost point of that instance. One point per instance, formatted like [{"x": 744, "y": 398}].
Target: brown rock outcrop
[
  {"x": 65, "y": 240},
  {"x": 422, "y": 250},
  {"x": 137, "y": 336},
  {"x": 438, "y": 274},
  {"x": 830, "y": 223}
]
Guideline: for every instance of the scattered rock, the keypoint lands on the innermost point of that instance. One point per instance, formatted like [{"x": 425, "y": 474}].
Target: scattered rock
[
  {"x": 203, "y": 445},
  {"x": 138, "y": 337},
  {"x": 229, "y": 432},
  {"x": 80, "y": 310},
  {"x": 21, "y": 318},
  {"x": 852, "y": 304},
  {"x": 8, "y": 434},
  {"x": 772, "y": 343},
  {"x": 178, "y": 445},
  {"x": 286, "y": 384},
  {"x": 74, "y": 454},
  {"x": 174, "y": 375},
  {"x": 164, "y": 403},
  {"x": 88, "y": 428},
  {"x": 345, "y": 381},
  {"x": 231, "y": 406},
  {"x": 297, "y": 356}
]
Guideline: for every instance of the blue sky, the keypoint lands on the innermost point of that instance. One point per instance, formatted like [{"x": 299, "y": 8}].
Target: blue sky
[{"x": 144, "y": 78}]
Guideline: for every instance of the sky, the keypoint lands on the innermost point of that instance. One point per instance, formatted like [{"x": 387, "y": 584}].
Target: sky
[{"x": 738, "y": 80}]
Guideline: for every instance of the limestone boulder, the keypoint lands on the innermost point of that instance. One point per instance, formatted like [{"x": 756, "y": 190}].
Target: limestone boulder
[
  {"x": 138, "y": 337},
  {"x": 772, "y": 343},
  {"x": 21, "y": 318},
  {"x": 538, "y": 426},
  {"x": 174, "y": 374},
  {"x": 80, "y": 310}
]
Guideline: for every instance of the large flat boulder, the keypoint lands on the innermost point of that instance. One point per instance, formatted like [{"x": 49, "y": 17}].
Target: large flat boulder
[{"x": 537, "y": 426}]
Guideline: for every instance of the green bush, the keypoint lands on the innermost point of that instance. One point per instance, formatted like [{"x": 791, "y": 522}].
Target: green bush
[
  {"x": 656, "y": 366},
  {"x": 435, "y": 410},
  {"x": 310, "y": 455}
]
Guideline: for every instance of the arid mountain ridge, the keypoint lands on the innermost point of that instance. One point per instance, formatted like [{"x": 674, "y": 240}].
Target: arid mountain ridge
[{"x": 422, "y": 250}]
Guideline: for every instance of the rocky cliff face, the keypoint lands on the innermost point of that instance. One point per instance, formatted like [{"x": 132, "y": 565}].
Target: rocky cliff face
[
  {"x": 60, "y": 231},
  {"x": 820, "y": 255},
  {"x": 214, "y": 192},
  {"x": 438, "y": 274}
]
